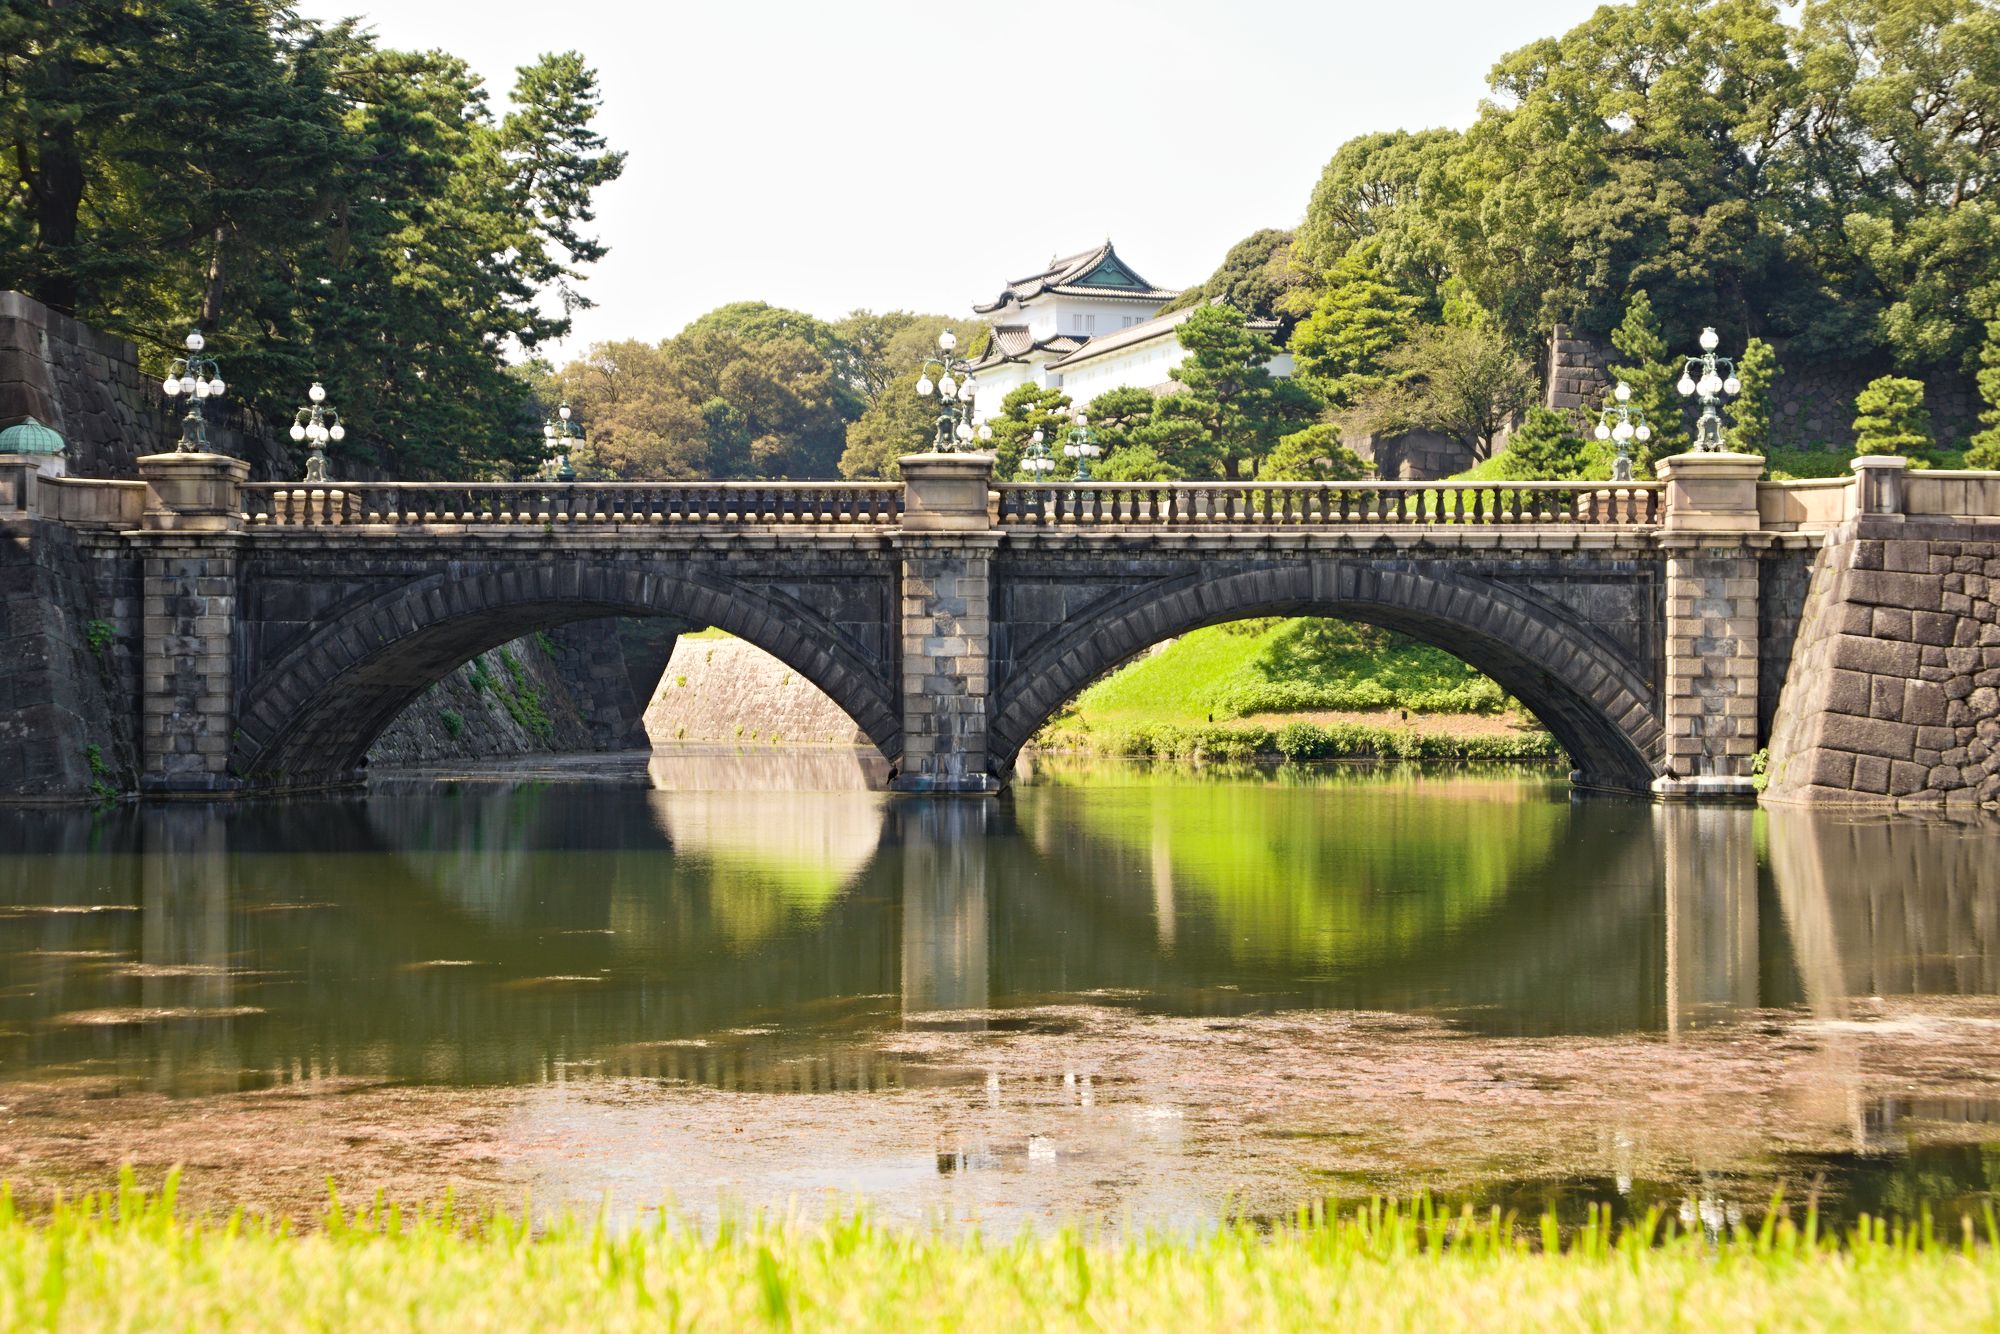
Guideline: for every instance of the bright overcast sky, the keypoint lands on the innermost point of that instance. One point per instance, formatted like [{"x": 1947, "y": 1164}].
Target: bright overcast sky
[{"x": 798, "y": 153}]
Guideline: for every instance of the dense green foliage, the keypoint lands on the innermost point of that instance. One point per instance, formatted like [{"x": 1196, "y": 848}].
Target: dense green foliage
[
  {"x": 1315, "y": 454},
  {"x": 1890, "y": 418},
  {"x": 1229, "y": 410},
  {"x": 1985, "y": 450},
  {"x": 1651, "y": 373},
  {"x": 1750, "y": 410},
  {"x": 1466, "y": 382},
  {"x": 318, "y": 206},
  {"x": 1358, "y": 319},
  {"x": 1259, "y": 277},
  {"x": 1026, "y": 409},
  {"x": 133, "y": 1262},
  {"x": 1546, "y": 448},
  {"x": 1822, "y": 174}
]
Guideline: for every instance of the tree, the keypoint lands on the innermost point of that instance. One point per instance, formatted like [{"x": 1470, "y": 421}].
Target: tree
[
  {"x": 878, "y": 350},
  {"x": 1118, "y": 415},
  {"x": 1546, "y": 448},
  {"x": 1135, "y": 463},
  {"x": 1750, "y": 414},
  {"x": 1026, "y": 409},
  {"x": 1355, "y": 323},
  {"x": 898, "y": 422},
  {"x": 1890, "y": 418},
  {"x": 1985, "y": 451},
  {"x": 1230, "y": 409},
  {"x": 1651, "y": 374},
  {"x": 1466, "y": 383},
  {"x": 1394, "y": 191},
  {"x": 1315, "y": 454},
  {"x": 1260, "y": 278}
]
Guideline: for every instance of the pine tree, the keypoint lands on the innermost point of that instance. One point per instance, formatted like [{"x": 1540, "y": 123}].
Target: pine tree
[
  {"x": 1890, "y": 418},
  {"x": 1750, "y": 412},
  {"x": 1651, "y": 373},
  {"x": 1026, "y": 409},
  {"x": 1355, "y": 323},
  {"x": 1230, "y": 409},
  {"x": 1985, "y": 451},
  {"x": 1546, "y": 448}
]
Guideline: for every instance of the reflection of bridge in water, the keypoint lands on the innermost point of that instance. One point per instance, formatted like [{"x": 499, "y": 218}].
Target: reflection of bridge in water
[{"x": 753, "y": 942}]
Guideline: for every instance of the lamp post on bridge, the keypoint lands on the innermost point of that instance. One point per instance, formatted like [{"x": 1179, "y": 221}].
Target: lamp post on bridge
[
  {"x": 1717, "y": 379},
  {"x": 1036, "y": 463},
  {"x": 1629, "y": 425},
  {"x": 200, "y": 379},
  {"x": 1082, "y": 446},
  {"x": 560, "y": 432},
  {"x": 955, "y": 390},
  {"x": 319, "y": 423}
]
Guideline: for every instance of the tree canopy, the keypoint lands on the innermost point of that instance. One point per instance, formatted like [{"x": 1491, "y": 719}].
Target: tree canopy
[{"x": 319, "y": 206}]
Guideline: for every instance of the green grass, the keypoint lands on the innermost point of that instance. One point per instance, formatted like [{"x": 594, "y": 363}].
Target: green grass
[{"x": 131, "y": 1263}]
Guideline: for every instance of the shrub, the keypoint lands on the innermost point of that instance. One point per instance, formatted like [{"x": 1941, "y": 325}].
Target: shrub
[
  {"x": 1890, "y": 417},
  {"x": 1315, "y": 454},
  {"x": 1544, "y": 449},
  {"x": 454, "y": 723},
  {"x": 1750, "y": 414},
  {"x": 1985, "y": 451}
]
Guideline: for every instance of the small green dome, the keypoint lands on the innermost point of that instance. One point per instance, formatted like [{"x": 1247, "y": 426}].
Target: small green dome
[{"x": 30, "y": 437}]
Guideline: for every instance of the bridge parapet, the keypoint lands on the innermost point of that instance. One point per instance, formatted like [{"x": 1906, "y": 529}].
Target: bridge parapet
[
  {"x": 412, "y": 504},
  {"x": 1156, "y": 505}
]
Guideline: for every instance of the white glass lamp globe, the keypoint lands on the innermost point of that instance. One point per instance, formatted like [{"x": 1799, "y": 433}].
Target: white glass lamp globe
[
  {"x": 1069, "y": 451},
  {"x": 1603, "y": 432},
  {"x": 1082, "y": 419},
  {"x": 298, "y": 431},
  {"x": 215, "y": 387},
  {"x": 1623, "y": 431},
  {"x": 563, "y": 412},
  {"x": 1709, "y": 340},
  {"x": 338, "y": 433},
  {"x": 194, "y": 342},
  {"x": 171, "y": 386},
  {"x": 947, "y": 386},
  {"x": 1623, "y": 393},
  {"x": 201, "y": 389},
  {"x": 985, "y": 431},
  {"x": 1686, "y": 386},
  {"x": 317, "y": 393},
  {"x": 924, "y": 386},
  {"x": 947, "y": 341},
  {"x": 1035, "y": 437},
  {"x": 1710, "y": 385},
  {"x": 548, "y": 430},
  {"x": 1732, "y": 385},
  {"x": 964, "y": 431},
  {"x": 1644, "y": 433},
  {"x": 967, "y": 389},
  {"x": 187, "y": 384}
]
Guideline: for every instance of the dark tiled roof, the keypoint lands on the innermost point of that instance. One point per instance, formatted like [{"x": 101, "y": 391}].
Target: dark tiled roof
[
  {"x": 1012, "y": 342},
  {"x": 1065, "y": 277}
]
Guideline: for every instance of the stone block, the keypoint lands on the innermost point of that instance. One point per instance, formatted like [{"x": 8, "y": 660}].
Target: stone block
[
  {"x": 1871, "y": 774},
  {"x": 1923, "y": 704},
  {"x": 1870, "y": 736},
  {"x": 1879, "y": 656}
]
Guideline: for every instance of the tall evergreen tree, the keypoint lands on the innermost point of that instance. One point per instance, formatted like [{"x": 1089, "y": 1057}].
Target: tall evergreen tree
[
  {"x": 1750, "y": 411},
  {"x": 1652, "y": 375},
  {"x": 1357, "y": 321},
  {"x": 1230, "y": 410}
]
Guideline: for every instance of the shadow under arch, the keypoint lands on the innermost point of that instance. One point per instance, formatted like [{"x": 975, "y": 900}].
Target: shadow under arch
[
  {"x": 1591, "y": 698},
  {"x": 309, "y": 718}
]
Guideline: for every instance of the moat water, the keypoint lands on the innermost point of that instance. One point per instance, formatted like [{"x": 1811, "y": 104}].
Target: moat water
[{"x": 1140, "y": 994}]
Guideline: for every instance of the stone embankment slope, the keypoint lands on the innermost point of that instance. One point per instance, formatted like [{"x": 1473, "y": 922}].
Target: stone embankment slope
[{"x": 721, "y": 689}]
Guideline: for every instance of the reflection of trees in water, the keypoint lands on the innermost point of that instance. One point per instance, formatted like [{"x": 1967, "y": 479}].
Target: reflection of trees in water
[{"x": 1888, "y": 905}]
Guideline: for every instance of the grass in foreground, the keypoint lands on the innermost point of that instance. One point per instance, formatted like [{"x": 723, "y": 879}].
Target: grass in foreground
[{"x": 132, "y": 1263}]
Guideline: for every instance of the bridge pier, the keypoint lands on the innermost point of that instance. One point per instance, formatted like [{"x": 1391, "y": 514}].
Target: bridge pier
[
  {"x": 191, "y": 549},
  {"x": 1712, "y": 536},
  {"x": 947, "y": 547}
]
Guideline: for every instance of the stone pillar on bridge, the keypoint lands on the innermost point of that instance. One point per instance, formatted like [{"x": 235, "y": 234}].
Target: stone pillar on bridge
[
  {"x": 191, "y": 546},
  {"x": 947, "y": 545},
  {"x": 1711, "y": 534}
]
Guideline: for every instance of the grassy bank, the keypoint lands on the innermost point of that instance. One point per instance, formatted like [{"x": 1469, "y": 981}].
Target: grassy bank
[
  {"x": 133, "y": 1264},
  {"x": 1303, "y": 688}
]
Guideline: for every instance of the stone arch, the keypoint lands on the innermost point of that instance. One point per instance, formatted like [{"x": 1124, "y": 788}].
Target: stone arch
[
  {"x": 309, "y": 717},
  {"x": 1596, "y": 703}
]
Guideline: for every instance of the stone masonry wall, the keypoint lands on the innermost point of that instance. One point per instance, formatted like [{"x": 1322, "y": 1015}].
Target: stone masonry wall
[
  {"x": 515, "y": 700},
  {"x": 722, "y": 689},
  {"x": 1894, "y": 689},
  {"x": 68, "y": 681},
  {"x": 947, "y": 627},
  {"x": 1712, "y": 636}
]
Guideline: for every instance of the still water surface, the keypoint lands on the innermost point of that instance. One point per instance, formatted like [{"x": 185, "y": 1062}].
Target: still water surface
[{"x": 1177, "y": 992}]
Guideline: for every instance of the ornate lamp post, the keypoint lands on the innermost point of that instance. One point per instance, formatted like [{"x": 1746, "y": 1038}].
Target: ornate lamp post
[
  {"x": 1082, "y": 447},
  {"x": 560, "y": 432},
  {"x": 1622, "y": 423},
  {"x": 1717, "y": 378},
  {"x": 200, "y": 379},
  {"x": 1036, "y": 463},
  {"x": 955, "y": 391},
  {"x": 318, "y": 423}
]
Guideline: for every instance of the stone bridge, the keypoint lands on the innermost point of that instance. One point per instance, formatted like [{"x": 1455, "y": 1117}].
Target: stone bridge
[{"x": 259, "y": 636}]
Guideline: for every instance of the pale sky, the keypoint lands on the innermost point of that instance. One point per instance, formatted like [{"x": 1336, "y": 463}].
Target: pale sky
[{"x": 801, "y": 153}]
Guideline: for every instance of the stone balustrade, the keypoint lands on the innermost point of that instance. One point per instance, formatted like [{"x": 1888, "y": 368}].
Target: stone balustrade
[
  {"x": 1327, "y": 504},
  {"x": 407, "y": 504}
]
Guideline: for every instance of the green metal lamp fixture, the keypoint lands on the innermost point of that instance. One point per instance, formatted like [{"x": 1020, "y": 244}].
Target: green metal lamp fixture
[
  {"x": 955, "y": 390},
  {"x": 560, "y": 433},
  {"x": 200, "y": 379},
  {"x": 1082, "y": 447},
  {"x": 318, "y": 423},
  {"x": 1036, "y": 463},
  {"x": 1621, "y": 423},
  {"x": 1717, "y": 379}
]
